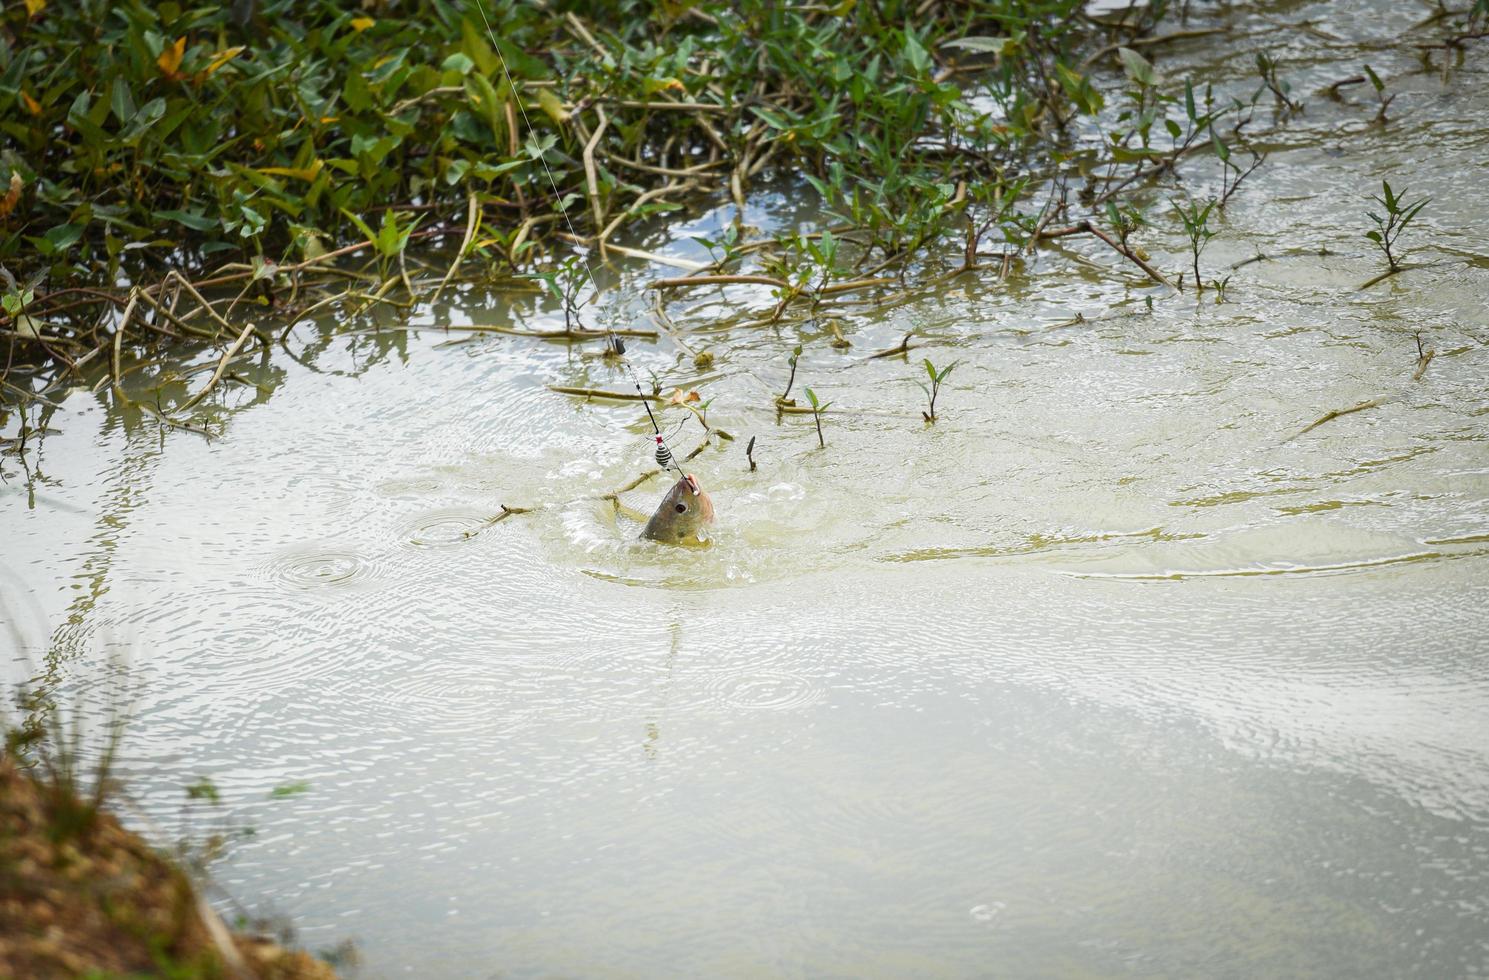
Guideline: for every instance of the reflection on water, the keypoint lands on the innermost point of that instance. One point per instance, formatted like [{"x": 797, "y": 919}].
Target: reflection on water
[{"x": 1111, "y": 670}]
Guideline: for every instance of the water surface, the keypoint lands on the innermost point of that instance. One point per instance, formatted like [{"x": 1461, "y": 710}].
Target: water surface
[{"x": 1109, "y": 671}]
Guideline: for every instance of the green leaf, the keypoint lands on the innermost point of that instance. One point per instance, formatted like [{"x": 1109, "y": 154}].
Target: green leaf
[
  {"x": 362, "y": 226},
  {"x": 288, "y": 789},
  {"x": 986, "y": 44},
  {"x": 1221, "y": 150},
  {"x": 148, "y": 115},
  {"x": 194, "y": 220},
  {"x": 1380, "y": 86},
  {"x": 121, "y": 102},
  {"x": 62, "y": 237},
  {"x": 458, "y": 62},
  {"x": 812, "y": 397},
  {"x": 1138, "y": 68}
]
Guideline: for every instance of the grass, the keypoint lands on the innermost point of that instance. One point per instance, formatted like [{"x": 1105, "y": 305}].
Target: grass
[{"x": 80, "y": 894}]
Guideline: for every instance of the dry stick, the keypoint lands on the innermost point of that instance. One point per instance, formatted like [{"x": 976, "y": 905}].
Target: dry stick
[
  {"x": 493, "y": 521},
  {"x": 1147, "y": 42},
  {"x": 586, "y": 36},
  {"x": 1383, "y": 276},
  {"x": 683, "y": 282},
  {"x": 591, "y": 173},
  {"x": 1424, "y": 358},
  {"x": 903, "y": 348},
  {"x": 472, "y": 223},
  {"x": 134, "y": 296},
  {"x": 217, "y": 374},
  {"x": 637, "y": 253},
  {"x": 641, "y": 199},
  {"x": 843, "y": 287},
  {"x": 692, "y": 171},
  {"x": 164, "y": 419},
  {"x": 620, "y": 396},
  {"x": 1124, "y": 251},
  {"x": 1330, "y": 416},
  {"x": 1422, "y": 363},
  {"x": 554, "y": 334},
  {"x": 186, "y": 284}
]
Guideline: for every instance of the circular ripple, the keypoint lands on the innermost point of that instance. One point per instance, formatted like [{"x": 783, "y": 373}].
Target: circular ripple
[
  {"x": 766, "y": 691},
  {"x": 408, "y": 487},
  {"x": 319, "y": 569},
  {"x": 444, "y": 528}
]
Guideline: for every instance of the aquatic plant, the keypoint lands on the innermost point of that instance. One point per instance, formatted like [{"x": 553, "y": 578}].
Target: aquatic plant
[
  {"x": 1266, "y": 67},
  {"x": 784, "y": 398},
  {"x": 1388, "y": 228},
  {"x": 1380, "y": 93},
  {"x": 934, "y": 388},
  {"x": 818, "y": 407},
  {"x": 1196, "y": 222}
]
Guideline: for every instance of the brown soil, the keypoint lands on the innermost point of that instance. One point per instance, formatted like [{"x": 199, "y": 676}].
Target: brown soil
[{"x": 79, "y": 894}]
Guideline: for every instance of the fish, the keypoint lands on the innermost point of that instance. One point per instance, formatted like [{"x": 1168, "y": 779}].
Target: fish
[{"x": 682, "y": 516}]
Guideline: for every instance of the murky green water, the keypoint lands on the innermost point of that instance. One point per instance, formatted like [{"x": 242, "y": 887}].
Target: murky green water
[{"x": 1102, "y": 674}]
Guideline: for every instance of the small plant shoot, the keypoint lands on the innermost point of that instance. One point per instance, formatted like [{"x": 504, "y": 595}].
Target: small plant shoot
[
  {"x": 933, "y": 388},
  {"x": 1389, "y": 227}
]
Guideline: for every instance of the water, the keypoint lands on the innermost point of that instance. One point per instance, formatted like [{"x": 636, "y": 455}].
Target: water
[{"x": 1110, "y": 671}]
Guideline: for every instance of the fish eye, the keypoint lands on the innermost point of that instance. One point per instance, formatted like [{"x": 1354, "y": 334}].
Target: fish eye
[{"x": 682, "y": 508}]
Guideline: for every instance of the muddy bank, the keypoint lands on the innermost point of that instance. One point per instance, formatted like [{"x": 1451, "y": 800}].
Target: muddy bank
[{"x": 81, "y": 895}]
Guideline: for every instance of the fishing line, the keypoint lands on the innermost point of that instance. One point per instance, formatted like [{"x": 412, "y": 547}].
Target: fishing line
[{"x": 664, "y": 455}]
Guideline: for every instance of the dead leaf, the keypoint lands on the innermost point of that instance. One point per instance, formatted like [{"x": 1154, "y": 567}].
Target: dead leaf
[
  {"x": 306, "y": 174},
  {"x": 169, "y": 61},
  {"x": 360, "y": 24},
  {"x": 13, "y": 196},
  {"x": 34, "y": 7},
  {"x": 218, "y": 60},
  {"x": 680, "y": 397},
  {"x": 32, "y": 106}
]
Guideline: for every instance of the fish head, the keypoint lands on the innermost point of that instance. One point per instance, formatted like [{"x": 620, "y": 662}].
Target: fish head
[{"x": 682, "y": 515}]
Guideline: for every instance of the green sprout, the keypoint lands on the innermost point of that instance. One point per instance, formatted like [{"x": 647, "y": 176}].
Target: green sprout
[
  {"x": 1398, "y": 216},
  {"x": 818, "y": 408},
  {"x": 784, "y": 398},
  {"x": 1380, "y": 93},
  {"x": 934, "y": 388},
  {"x": 1196, "y": 221}
]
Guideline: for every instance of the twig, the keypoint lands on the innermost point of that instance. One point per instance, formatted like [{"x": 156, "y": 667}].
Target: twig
[
  {"x": 620, "y": 396},
  {"x": 472, "y": 222},
  {"x": 493, "y": 521},
  {"x": 1424, "y": 358},
  {"x": 683, "y": 282},
  {"x": 591, "y": 173},
  {"x": 1338, "y": 412},
  {"x": 903, "y": 348},
  {"x": 1127, "y": 253},
  {"x": 554, "y": 334},
  {"x": 217, "y": 374}
]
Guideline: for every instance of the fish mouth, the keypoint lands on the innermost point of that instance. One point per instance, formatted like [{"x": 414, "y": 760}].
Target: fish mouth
[{"x": 705, "y": 503}]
